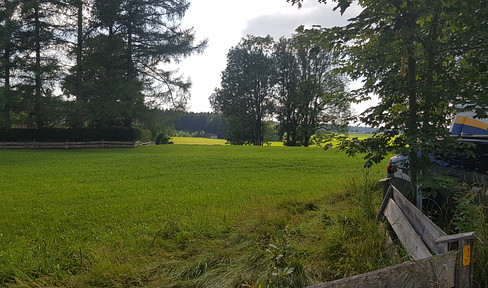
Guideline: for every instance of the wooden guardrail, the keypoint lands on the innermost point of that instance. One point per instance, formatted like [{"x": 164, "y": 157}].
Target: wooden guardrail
[
  {"x": 439, "y": 260},
  {"x": 70, "y": 145}
]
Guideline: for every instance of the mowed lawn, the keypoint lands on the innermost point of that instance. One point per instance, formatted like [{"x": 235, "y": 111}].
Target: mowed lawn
[{"x": 181, "y": 216}]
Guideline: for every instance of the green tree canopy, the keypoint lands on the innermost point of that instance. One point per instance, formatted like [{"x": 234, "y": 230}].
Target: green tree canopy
[
  {"x": 309, "y": 94},
  {"x": 245, "y": 96},
  {"x": 291, "y": 81},
  {"x": 124, "y": 59},
  {"x": 418, "y": 57}
]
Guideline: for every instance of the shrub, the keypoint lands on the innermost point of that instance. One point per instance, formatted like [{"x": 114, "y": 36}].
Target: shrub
[
  {"x": 162, "y": 138},
  {"x": 75, "y": 135}
]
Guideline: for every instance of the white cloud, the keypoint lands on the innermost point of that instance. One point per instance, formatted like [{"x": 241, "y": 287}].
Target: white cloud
[
  {"x": 280, "y": 23},
  {"x": 225, "y": 22}
]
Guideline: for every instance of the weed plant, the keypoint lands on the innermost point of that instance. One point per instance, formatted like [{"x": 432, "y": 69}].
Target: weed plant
[
  {"x": 185, "y": 216},
  {"x": 471, "y": 214}
]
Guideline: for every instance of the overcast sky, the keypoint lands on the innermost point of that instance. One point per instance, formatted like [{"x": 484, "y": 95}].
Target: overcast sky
[{"x": 225, "y": 22}]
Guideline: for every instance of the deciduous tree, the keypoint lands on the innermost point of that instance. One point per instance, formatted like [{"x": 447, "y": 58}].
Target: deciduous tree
[
  {"x": 310, "y": 95},
  {"x": 415, "y": 55},
  {"x": 245, "y": 96}
]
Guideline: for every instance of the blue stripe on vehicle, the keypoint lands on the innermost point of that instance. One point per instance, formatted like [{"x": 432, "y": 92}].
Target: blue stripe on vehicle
[
  {"x": 456, "y": 129},
  {"x": 466, "y": 129}
]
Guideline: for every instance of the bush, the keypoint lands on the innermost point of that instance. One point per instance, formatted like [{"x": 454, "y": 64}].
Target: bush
[
  {"x": 190, "y": 134},
  {"x": 162, "y": 138},
  {"x": 146, "y": 135},
  {"x": 75, "y": 135}
]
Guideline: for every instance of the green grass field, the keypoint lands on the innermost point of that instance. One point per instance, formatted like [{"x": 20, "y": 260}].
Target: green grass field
[{"x": 185, "y": 216}]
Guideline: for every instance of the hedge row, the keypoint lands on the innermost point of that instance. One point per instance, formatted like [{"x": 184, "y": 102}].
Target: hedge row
[{"x": 75, "y": 135}]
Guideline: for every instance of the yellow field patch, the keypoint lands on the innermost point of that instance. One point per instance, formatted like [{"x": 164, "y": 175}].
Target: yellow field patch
[{"x": 197, "y": 141}]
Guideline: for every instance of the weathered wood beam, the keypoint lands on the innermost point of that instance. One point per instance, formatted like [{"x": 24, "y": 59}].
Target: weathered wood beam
[
  {"x": 405, "y": 232},
  {"x": 436, "y": 271}
]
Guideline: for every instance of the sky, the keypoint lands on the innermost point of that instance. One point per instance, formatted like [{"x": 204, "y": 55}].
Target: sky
[{"x": 224, "y": 22}]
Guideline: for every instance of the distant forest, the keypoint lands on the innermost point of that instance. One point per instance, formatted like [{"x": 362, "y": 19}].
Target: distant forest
[
  {"x": 205, "y": 123},
  {"x": 362, "y": 130}
]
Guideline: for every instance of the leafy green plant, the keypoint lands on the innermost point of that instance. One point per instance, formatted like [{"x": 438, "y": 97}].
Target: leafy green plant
[
  {"x": 287, "y": 269},
  {"x": 162, "y": 138},
  {"x": 323, "y": 140},
  {"x": 471, "y": 214},
  {"x": 281, "y": 251}
]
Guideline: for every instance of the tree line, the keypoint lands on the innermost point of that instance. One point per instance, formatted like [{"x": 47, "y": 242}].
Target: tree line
[
  {"x": 290, "y": 80},
  {"x": 90, "y": 63},
  {"x": 192, "y": 123}
]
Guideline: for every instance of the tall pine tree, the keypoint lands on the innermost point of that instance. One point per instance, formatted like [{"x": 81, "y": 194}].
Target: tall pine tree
[{"x": 143, "y": 36}]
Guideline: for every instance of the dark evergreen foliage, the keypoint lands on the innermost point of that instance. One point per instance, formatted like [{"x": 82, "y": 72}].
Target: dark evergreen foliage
[
  {"x": 113, "y": 51},
  {"x": 75, "y": 135}
]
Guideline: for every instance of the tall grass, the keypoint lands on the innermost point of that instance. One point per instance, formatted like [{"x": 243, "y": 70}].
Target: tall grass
[
  {"x": 471, "y": 214},
  {"x": 182, "y": 216}
]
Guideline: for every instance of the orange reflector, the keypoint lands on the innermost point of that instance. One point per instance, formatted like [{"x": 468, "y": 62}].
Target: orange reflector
[{"x": 466, "y": 255}]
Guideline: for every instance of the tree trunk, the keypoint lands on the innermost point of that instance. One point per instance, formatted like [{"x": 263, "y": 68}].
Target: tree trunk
[
  {"x": 79, "y": 69},
  {"x": 411, "y": 131},
  {"x": 130, "y": 62},
  {"x": 258, "y": 133},
  {"x": 412, "y": 123},
  {"x": 258, "y": 139},
  {"x": 5, "y": 105},
  {"x": 38, "y": 81}
]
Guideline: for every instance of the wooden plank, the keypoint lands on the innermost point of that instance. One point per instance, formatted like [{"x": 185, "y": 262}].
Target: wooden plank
[
  {"x": 455, "y": 237},
  {"x": 405, "y": 232},
  {"x": 437, "y": 271},
  {"x": 386, "y": 199},
  {"x": 426, "y": 229},
  {"x": 386, "y": 185}
]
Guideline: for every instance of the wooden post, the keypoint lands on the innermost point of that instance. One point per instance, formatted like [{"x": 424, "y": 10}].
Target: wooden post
[
  {"x": 464, "y": 270},
  {"x": 386, "y": 185},
  {"x": 463, "y": 277}
]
